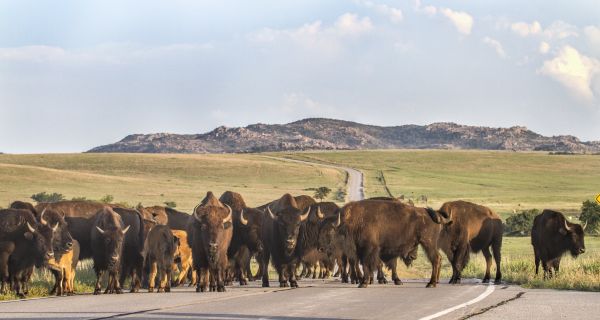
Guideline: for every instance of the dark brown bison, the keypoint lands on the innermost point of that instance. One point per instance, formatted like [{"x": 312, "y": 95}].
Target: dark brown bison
[
  {"x": 307, "y": 249},
  {"x": 474, "y": 228},
  {"x": 280, "y": 236},
  {"x": 162, "y": 249},
  {"x": 392, "y": 229},
  {"x": 107, "y": 237},
  {"x": 552, "y": 236},
  {"x": 246, "y": 242},
  {"x": 24, "y": 243},
  {"x": 132, "y": 258},
  {"x": 209, "y": 234}
]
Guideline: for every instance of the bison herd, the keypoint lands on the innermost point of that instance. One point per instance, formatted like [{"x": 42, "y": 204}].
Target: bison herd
[{"x": 299, "y": 237}]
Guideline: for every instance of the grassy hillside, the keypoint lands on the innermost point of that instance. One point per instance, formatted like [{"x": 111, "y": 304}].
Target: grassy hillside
[
  {"x": 156, "y": 178},
  {"x": 501, "y": 180}
]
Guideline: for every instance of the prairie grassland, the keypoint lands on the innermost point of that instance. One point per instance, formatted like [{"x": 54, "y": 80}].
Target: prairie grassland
[
  {"x": 155, "y": 178},
  {"x": 502, "y": 180}
]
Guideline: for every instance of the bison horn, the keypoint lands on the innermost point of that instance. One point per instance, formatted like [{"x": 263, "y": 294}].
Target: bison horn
[
  {"x": 305, "y": 215},
  {"x": 31, "y": 228},
  {"x": 274, "y": 217},
  {"x": 567, "y": 226},
  {"x": 42, "y": 220},
  {"x": 339, "y": 220},
  {"x": 320, "y": 214},
  {"x": 584, "y": 225},
  {"x": 55, "y": 227},
  {"x": 126, "y": 229},
  {"x": 196, "y": 216},
  {"x": 229, "y": 216},
  {"x": 242, "y": 219},
  {"x": 100, "y": 230}
]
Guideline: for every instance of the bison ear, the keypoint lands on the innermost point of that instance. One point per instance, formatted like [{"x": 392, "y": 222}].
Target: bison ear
[{"x": 28, "y": 235}]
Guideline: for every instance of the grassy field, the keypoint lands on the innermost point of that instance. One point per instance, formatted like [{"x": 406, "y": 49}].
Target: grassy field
[
  {"x": 155, "y": 178},
  {"x": 504, "y": 181}
]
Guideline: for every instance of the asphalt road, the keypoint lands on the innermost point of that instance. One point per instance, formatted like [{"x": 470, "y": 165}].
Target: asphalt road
[{"x": 324, "y": 299}]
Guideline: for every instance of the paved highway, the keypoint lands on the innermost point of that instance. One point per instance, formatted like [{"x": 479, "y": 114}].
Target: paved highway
[{"x": 325, "y": 299}]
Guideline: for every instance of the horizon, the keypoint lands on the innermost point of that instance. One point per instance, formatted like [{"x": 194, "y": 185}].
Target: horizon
[{"x": 80, "y": 75}]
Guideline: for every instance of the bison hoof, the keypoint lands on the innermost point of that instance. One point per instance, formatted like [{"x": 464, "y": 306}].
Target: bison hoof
[
  {"x": 293, "y": 284},
  {"x": 221, "y": 289},
  {"x": 97, "y": 291},
  {"x": 498, "y": 281},
  {"x": 363, "y": 285},
  {"x": 382, "y": 281},
  {"x": 487, "y": 280},
  {"x": 118, "y": 291},
  {"x": 430, "y": 285},
  {"x": 150, "y": 290},
  {"x": 398, "y": 282},
  {"x": 265, "y": 284}
]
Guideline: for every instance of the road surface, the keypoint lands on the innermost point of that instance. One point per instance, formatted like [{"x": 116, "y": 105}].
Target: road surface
[{"x": 324, "y": 299}]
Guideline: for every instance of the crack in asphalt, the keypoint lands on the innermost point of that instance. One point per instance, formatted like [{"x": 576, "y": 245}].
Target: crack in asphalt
[{"x": 486, "y": 309}]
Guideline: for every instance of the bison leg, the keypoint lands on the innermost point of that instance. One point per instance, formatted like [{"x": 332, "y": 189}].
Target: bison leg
[
  {"x": 380, "y": 275},
  {"x": 98, "y": 287},
  {"x": 264, "y": 268},
  {"x": 220, "y": 273},
  {"x": 496, "y": 249},
  {"x": 343, "y": 269},
  {"x": 393, "y": 265},
  {"x": 537, "y": 262},
  {"x": 370, "y": 261},
  {"x": 292, "y": 275},
  {"x": 152, "y": 276},
  {"x": 488, "y": 264},
  {"x": 434, "y": 258}
]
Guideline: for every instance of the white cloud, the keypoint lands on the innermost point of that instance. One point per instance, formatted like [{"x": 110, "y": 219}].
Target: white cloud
[
  {"x": 525, "y": 29},
  {"x": 350, "y": 23},
  {"x": 592, "y": 34},
  {"x": 496, "y": 45},
  {"x": 428, "y": 10},
  {"x": 560, "y": 30},
  {"x": 461, "y": 20},
  {"x": 575, "y": 71},
  {"x": 544, "y": 47},
  {"x": 393, "y": 14}
]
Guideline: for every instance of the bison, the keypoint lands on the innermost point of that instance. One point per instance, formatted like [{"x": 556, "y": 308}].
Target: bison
[
  {"x": 209, "y": 233},
  {"x": 246, "y": 242},
  {"x": 184, "y": 261},
  {"x": 107, "y": 237},
  {"x": 552, "y": 236},
  {"x": 392, "y": 229},
  {"x": 176, "y": 220},
  {"x": 63, "y": 268},
  {"x": 474, "y": 228},
  {"x": 280, "y": 236},
  {"x": 307, "y": 249},
  {"x": 162, "y": 249},
  {"x": 132, "y": 259}
]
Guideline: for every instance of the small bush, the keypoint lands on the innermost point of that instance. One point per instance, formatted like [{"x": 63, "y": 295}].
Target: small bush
[
  {"x": 322, "y": 193},
  {"x": 590, "y": 213},
  {"x": 170, "y": 204},
  {"x": 107, "y": 199},
  {"x": 47, "y": 197},
  {"x": 521, "y": 223},
  {"x": 79, "y": 199}
]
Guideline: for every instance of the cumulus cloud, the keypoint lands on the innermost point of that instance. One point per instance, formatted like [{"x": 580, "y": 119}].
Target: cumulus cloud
[
  {"x": 496, "y": 45},
  {"x": 575, "y": 71},
  {"x": 350, "y": 23},
  {"x": 525, "y": 29},
  {"x": 544, "y": 47},
  {"x": 428, "y": 10},
  {"x": 560, "y": 30},
  {"x": 393, "y": 14},
  {"x": 592, "y": 34},
  {"x": 461, "y": 20}
]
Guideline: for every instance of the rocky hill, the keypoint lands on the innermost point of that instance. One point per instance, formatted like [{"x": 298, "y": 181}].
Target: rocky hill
[{"x": 330, "y": 134}]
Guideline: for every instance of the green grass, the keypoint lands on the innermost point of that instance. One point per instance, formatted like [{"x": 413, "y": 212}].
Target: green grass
[{"x": 504, "y": 181}]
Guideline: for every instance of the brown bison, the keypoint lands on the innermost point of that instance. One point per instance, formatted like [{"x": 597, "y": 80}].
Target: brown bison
[
  {"x": 184, "y": 262},
  {"x": 474, "y": 228},
  {"x": 63, "y": 268},
  {"x": 280, "y": 236},
  {"x": 552, "y": 236},
  {"x": 246, "y": 242},
  {"x": 209, "y": 234},
  {"x": 107, "y": 237},
  {"x": 392, "y": 229},
  {"x": 162, "y": 249},
  {"x": 176, "y": 220}
]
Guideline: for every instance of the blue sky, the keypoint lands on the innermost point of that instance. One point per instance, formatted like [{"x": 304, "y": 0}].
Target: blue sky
[{"x": 77, "y": 74}]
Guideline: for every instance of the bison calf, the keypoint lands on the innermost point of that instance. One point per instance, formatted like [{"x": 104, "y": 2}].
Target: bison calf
[
  {"x": 63, "y": 267},
  {"x": 162, "y": 248}
]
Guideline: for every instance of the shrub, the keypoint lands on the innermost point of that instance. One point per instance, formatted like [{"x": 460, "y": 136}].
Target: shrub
[
  {"x": 47, "y": 197},
  {"x": 322, "y": 193},
  {"x": 170, "y": 204},
  {"x": 590, "y": 213},
  {"x": 107, "y": 199},
  {"x": 521, "y": 223},
  {"x": 79, "y": 199}
]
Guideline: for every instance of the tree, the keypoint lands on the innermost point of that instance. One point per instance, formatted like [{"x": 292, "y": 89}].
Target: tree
[
  {"x": 170, "y": 204},
  {"x": 322, "y": 193},
  {"x": 521, "y": 223},
  {"x": 107, "y": 199},
  {"x": 47, "y": 197},
  {"x": 590, "y": 214}
]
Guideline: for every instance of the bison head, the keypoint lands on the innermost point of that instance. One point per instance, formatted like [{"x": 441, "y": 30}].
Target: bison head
[
  {"x": 287, "y": 225},
  {"x": 328, "y": 233},
  {"x": 41, "y": 237},
  {"x": 215, "y": 224},
  {"x": 574, "y": 237},
  {"x": 112, "y": 240},
  {"x": 252, "y": 219},
  {"x": 62, "y": 241}
]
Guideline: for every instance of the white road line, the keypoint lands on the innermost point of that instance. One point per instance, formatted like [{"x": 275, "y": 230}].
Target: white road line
[{"x": 482, "y": 296}]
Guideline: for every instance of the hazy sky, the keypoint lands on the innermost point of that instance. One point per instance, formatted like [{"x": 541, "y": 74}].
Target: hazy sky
[{"x": 77, "y": 74}]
